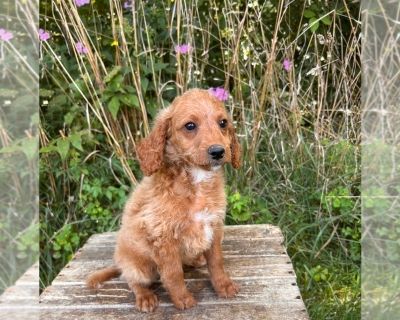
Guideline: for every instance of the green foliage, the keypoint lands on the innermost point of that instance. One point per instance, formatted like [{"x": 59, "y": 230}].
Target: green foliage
[
  {"x": 65, "y": 242},
  {"x": 299, "y": 172},
  {"x": 318, "y": 274},
  {"x": 247, "y": 208},
  {"x": 315, "y": 16},
  {"x": 341, "y": 203},
  {"x": 92, "y": 202},
  {"x": 320, "y": 218}
]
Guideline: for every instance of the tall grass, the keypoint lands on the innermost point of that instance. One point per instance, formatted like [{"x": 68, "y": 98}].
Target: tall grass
[{"x": 300, "y": 127}]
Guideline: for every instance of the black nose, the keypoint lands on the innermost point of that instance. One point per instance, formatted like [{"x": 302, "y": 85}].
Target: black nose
[{"x": 216, "y": 151}]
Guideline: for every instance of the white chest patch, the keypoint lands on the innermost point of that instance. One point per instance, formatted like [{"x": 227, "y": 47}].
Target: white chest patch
[
  {"x": 206, "y": 219},
  {"x": 200, "y": 175}
]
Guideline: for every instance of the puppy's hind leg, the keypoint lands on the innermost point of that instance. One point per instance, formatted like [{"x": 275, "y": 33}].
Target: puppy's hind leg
[{"x": 139, "y": 274}]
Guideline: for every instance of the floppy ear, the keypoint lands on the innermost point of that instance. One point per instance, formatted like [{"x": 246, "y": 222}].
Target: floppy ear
[
  {"x": 150, "y": 150},
  {"x": 235, "y": 149}
]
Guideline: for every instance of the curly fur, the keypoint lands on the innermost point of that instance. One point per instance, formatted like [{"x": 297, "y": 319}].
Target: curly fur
[{"x": 175, "y": 216}]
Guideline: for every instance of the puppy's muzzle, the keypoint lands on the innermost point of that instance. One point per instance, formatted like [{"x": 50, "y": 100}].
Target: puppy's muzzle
[{"x": 216, "y": 152}]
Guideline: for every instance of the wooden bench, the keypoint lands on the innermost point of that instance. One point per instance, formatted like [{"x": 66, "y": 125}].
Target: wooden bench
[
  {"x": 254, "y": 257},
  {"x": 21, "y": 301}
]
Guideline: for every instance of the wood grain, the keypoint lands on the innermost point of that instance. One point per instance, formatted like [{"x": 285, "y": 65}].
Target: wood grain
[{"x": 254, "y": 257}]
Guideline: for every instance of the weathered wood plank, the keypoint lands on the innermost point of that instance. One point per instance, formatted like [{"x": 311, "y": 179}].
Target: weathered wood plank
[
  {"x": 236, "y": 266},
  {"x": 255, "y": 310},
  {"x": 114, "y": 293},
  {"x": 230, "y": 232},
  {"x": 21, "y": 301},
  {"x": 24, "y": 291},
  {"x": 254, "y": 257}
]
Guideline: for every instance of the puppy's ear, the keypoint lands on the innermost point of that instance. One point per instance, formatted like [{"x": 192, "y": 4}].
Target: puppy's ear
[
  {"x": 235, "y": 149},
  {"x": 150, "y": 150}
]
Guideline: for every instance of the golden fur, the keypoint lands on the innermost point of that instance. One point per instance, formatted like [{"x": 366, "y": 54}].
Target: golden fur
[{"x": 176, "y": 214}]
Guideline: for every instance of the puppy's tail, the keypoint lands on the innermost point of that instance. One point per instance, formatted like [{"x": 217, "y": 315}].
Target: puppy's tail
[{"x": 95, "y": 279}]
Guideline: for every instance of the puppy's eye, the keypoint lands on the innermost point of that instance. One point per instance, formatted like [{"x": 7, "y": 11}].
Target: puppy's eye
[
  {"x": 223, "y": 123},
  {"x": 190, "y": 126}
]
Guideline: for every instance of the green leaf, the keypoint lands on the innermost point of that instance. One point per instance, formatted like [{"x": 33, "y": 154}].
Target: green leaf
[
  {"x": 152, "y": 108},
  {"x": 130, "y": 89},
  {"x": 326, "y": 20},
  {"x": 159, "y": 66},
  {"x": 47, "y": 149},
  {"x": 135, "y": 101},
  {"x": 69, "y": 118},
  {"x": 7, "y": 93},
  {"x": 244, "y": 216},
  {"x": 130, "y": 100},
  {"x": 35, "y": 118},
  {"x": 78, "y": 86},
  {"x": 314, "y": 24},
  {"x": 58, "y": 100},
  {"x": 30, "y": 147},
  {"x": 145, "y": 84},
  {"x": 57, "y": 255},
  {"x": 308, "y": 13},
  {"x": 63, "y": 147},
  {"x": 76, "y": 141},
  {"x": 10, "y": 149},
  {"x": 109, "y": 195},
  {"x": 45, "y": 93},
  {"x": 113, "y": 106},
  {"x": 75, "y": 239},
  {"x": 112, "y": 74}
]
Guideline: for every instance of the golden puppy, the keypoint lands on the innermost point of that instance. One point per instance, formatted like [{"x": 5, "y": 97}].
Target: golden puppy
[{"x": 176, "y": 214}]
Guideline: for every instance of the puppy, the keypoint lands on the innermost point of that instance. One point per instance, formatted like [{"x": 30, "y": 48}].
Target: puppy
[{"x": 176, "y": 214}]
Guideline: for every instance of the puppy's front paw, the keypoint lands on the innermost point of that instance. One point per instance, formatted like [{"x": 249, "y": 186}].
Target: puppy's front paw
[
  {"x": 226, "y": 288},
  {"x": 146, "y": 302},
  {"x": 184, "y": 301}
]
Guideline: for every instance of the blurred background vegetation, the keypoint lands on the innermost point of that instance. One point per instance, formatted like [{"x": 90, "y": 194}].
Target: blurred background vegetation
[
  {"x": 293, "y": 72},
  {"x": 19, "y": 119}
]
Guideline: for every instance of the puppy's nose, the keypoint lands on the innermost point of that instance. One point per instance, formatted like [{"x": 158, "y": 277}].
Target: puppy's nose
[{"x": 216, "y": 151}]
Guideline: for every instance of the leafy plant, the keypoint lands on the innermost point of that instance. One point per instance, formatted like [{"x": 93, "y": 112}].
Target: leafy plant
[
  {"x": 65, "y": 243},
  {"x": 246, "y": 208},
  {"x": 315, "y": 17}
]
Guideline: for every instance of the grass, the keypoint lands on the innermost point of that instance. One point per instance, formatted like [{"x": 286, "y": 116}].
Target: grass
[{"x": 299, "y": 128}]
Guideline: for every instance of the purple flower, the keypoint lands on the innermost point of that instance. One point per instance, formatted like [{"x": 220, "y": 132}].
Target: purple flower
[
  {"x": 220, "y": 93},
  {"x": 80, "y": 3},
  {"x": 182, "y": 48},
  {"x": 81, "y": 48},
  {"x": 44, "y": 35},
  {"x": 287, "y": 64},
  {"x": 5, "y": 35},
  {"x": 128, "y": 4}
]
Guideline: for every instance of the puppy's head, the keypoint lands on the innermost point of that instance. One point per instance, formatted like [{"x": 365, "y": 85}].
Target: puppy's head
[{"x": 195, "y": 130}]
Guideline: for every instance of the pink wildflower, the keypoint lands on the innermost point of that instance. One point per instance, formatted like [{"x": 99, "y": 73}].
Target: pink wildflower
[
  {"x": 220, "y": 93},
  {"x": 128, "y": 4},
  {"x": 80, "y": 3},
  {"x": 287, "y": 64},
  {"x": 5, "y": 35},
  {"x": 81, "y": 48},
  {"x": 44, "y": 35},
  {"x": 182, "y": 48}
]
